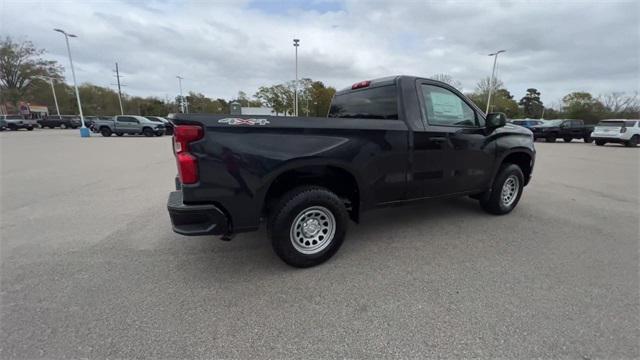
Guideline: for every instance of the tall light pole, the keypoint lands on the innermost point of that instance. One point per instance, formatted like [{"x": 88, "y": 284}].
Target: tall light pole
[
  {"x": 493, "y": 72},
  {"x": 84, "y": 132},
  {"x": 296, "y": 43},
  {"x": 181, "y": 97},
  {"x": 53, "y": 90}
]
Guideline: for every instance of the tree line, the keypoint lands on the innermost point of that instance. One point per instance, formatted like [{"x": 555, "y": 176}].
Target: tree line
[{"x": 22, "y": 65}]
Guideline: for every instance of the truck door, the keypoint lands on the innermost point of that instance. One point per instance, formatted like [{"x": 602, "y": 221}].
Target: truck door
[
  {"x": 452, "y": 155},
  {"x": 126, "y": 124}
]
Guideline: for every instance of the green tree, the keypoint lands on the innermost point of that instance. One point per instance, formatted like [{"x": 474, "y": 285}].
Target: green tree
[
  {"x": 19, "y": 63},
  {"x": 501, "y": 98},
  {"x": 531, "y": 103},
  {"x": 582, "y": 105}
]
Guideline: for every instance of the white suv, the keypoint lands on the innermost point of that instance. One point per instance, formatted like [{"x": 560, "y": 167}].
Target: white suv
[{"x": 622, "y": 131}]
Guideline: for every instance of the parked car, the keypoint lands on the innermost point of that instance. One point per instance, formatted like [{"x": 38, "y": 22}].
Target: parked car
[
  {"x": 528, "y": 123},
  {"x": 89, "y": 120},
  {"x": 3, "y": 124},
  {"x": 621, "y": 131},
  {"x": 566, "y": 129},
  {"x": 385, "y": 142},
  {"x": 62, "y": 121},
  {"x": 168, "y": 126},
  {"x": 128, "y": 124},
  {"x": 16, "y": 122}
]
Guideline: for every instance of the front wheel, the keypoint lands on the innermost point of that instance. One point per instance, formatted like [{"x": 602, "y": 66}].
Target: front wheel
[
  {"x": 106, "y": 132},
  {"x": 505, "y": 191},
  {"x": 147, "y": 132},
  {"x": 308, "y": 226},
  {"x": 633, "y": 142}
]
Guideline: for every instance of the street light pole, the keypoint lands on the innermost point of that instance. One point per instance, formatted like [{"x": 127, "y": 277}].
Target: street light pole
[
  {"x": 84, "y": 132},
  {"x": 181, "y": 97},
  {"x": 296, "y": 43},
  {"x": 53, "y": 90},
  {"x": 493, "y": 72}
]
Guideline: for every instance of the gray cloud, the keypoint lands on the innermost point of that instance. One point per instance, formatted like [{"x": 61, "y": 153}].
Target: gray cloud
[{"x": 221, "y": 48}]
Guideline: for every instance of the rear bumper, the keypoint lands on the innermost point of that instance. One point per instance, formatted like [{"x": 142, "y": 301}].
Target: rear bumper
[
  {"x": 609, "y": 137},
  {"x": 192, "y": 220}
]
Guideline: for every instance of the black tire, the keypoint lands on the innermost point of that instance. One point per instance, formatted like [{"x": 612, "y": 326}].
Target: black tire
[
  {"x": 550, "y": 138},
  {"x": 600, "y": 142},
  {"x": 106, "y": 132},
  {"x": 119, "y": 134},
  {"x": 159, "y": 133},
  {"x": 492, "y": 201},
  {"x": 588, "y": 140},
  {"x": 311, "y": 200},
  {"x": 567, "y": 140},
  {"x": 30, "y": 128},
  {"x": 51, "y": 127},
  {"x": 633, "y": 142},
  {"x": 147, "y": 132}
]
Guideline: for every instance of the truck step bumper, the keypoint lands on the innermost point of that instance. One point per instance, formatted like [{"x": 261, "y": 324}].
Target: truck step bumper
[{"x": 195, "y": 220}]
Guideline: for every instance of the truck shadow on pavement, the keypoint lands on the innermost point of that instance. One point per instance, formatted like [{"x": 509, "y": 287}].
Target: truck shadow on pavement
[{"x": 251, "y": 254}]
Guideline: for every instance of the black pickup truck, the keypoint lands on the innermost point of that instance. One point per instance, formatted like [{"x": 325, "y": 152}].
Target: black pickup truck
[
  {"x": 565, "y": 129},
  {"x": 387, "y": 141}
]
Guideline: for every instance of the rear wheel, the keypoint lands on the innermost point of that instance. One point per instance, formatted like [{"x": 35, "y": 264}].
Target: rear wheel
[
  {"x": 600, "y": 142},
  {"x": 505, "y": 192},
  {"x": 567, "y": 139},
  {"x": 307, "y": 226},
  {"x": 633, "y": 142},
  {"x": 147, "y": 132},
  {"x": 106, "y": 132}
]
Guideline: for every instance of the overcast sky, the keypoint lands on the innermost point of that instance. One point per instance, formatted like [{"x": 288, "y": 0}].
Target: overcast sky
[{"x": 221, "y": 48}]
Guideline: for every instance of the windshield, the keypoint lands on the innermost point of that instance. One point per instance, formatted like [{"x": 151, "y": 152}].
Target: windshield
[
  {"x": 14, "y": 117},
  {"x": 553, "y": 122},
  {"x": 154, "y": 119},
  {"x": 611, "y": 123}
]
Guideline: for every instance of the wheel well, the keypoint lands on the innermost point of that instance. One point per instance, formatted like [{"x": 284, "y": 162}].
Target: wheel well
[
  {"x": 336, "y": 179},
  {"x": 523, "y": 160},
  {"x": 104, "y": 127}
]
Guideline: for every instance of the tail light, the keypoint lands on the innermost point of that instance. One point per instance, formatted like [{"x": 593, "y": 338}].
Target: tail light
[
  {"x": 187, "y": 163},
  {"x": 623, "y": 129}
]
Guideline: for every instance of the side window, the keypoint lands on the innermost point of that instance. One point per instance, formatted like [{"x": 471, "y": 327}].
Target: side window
[
  {"x": 630, "y": 123},
  {"x": 443, "y": 107}
]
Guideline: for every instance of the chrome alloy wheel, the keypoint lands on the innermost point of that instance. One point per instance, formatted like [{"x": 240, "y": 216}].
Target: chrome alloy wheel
[
  {"x": 312, "y": 230},
  {"x": 510, "y": 190}
]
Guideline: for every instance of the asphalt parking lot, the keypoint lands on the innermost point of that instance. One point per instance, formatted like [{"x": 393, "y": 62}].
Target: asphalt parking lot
[{"x": 91, "y": 268}]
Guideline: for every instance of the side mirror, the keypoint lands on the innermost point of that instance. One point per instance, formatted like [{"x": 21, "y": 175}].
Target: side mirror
[{"x": 496, "y": 120}]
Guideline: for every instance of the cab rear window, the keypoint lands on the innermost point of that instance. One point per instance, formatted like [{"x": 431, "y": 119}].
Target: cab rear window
[{"x": 373, "y": 103}]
